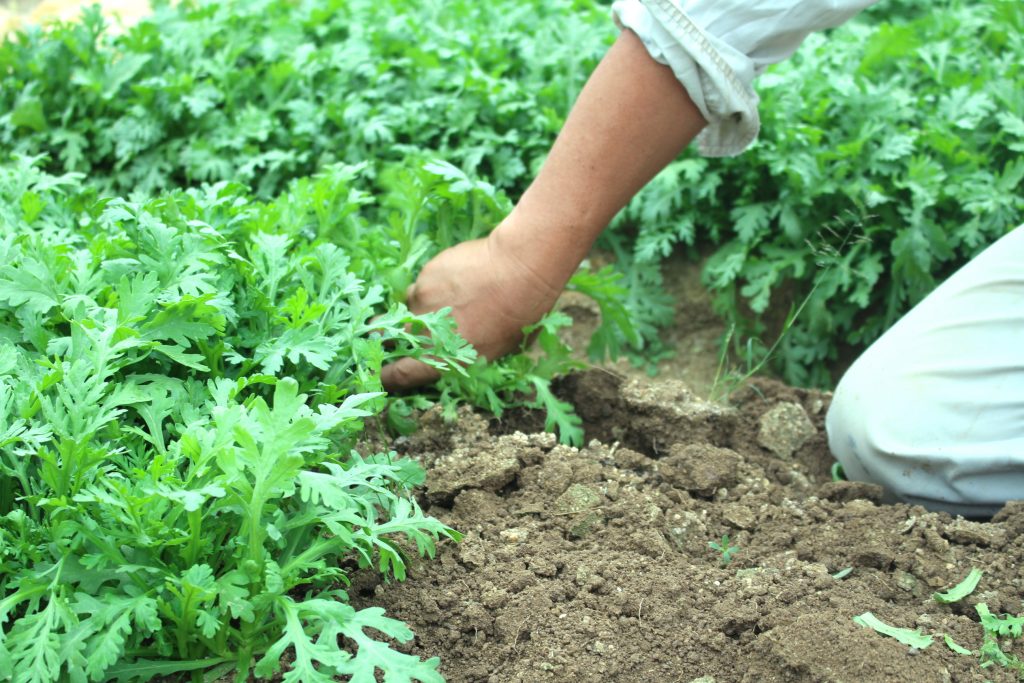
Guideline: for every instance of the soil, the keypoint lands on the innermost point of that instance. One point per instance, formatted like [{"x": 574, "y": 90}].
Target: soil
[
  {"x": 695, "y": 331},
  {"x": 593, "y": 564}
]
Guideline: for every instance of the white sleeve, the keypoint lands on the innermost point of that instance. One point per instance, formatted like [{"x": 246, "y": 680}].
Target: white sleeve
[{"x": 717, "y": 48}]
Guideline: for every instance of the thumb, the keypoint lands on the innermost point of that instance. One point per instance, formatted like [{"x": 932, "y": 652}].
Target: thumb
[{"x": 407, "y": 373}]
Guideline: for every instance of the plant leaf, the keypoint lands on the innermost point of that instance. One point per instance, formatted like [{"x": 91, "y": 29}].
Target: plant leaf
[{"x": 914, "y": 639}]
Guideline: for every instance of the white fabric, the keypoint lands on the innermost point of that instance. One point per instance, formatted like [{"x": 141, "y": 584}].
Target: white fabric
[
  {"x": 717, "y": 48},
  {"x": 934, "y": 410}
]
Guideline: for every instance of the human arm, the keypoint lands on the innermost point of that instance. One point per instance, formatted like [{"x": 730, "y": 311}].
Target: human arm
[
  {"x": 631, "y": 118},
  {"x": 691, "y": 74}
]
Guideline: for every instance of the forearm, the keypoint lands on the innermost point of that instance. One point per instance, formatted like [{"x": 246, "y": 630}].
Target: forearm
[{"x": 631, "y": 119}]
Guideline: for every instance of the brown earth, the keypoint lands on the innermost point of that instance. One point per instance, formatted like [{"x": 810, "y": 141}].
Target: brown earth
[
  {"x": 694, "y": 331},
  {"x": 593, "y": 564}
]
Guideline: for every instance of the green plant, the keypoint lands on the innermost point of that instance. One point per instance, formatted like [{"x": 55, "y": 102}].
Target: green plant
[
  {"x": 283, "y": 96},
  {"x": 182, "y": 382},
  {"x": 829, "y": 247},
  {"x": 184, "y": 373},
  {"x": 192, "y": 370},
  {"x": 994, "y": 629},
  {"x": 266, "y": 91},
  {"x": 724, "y": 549}
]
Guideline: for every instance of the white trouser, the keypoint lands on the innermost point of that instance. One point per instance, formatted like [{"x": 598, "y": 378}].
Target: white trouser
[{"x": 934, "y": 410}]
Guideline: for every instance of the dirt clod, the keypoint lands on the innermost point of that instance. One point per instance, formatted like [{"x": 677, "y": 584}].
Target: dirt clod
[
  {"x": 700, "y": 469},
  {"x": 785, "y": 428},
  {"x": 975, "y": 533},
  {"x": 845, "y": 491}
]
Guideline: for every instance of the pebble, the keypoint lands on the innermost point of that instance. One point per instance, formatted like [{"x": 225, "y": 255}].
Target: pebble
[{"x": 785, "y": 428}]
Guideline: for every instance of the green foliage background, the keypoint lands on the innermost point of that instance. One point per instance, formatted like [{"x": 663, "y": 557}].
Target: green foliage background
[
  {"x": 890, "y": 150},
  {"x": 890, "y": 154}
]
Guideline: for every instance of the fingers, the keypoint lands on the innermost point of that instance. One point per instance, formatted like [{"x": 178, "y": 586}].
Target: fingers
[{"x": 407, "y": 373}]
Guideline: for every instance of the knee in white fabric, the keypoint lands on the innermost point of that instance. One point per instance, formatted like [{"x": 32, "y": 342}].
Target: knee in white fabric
[
  {"x": 934, "y": 410},
  {"x": 875, "y": 430}
]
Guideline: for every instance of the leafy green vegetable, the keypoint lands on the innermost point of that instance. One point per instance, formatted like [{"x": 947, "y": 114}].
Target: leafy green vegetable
[
  {"x": 914, "y": 639},
  {"x": 207, "y": 226},
  {"x": 264, "y": 92},
  {"x": 724, "y": 549},
  {"x": 182, "y": 381},
  {"x": 1007, "y": 626},
  {"x": 184, "y": 372},
  {"x": 961, "y": 590}
]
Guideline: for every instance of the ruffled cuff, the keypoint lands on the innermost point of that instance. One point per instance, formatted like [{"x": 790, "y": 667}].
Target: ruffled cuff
[{"x": 705, "y": 66}]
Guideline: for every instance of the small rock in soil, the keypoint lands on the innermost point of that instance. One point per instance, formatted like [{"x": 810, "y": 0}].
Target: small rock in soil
[
  {"x": 514, "y": 535},
  {"x": 784, "y": 429},
  {"x": 487, "y": 470},
  {"x": 845, "y": 491},
  {"x": 700, "y": 468},
  {"x": 974, "y": 533},
  {"x": 907, "y": 582},
  {"x": 576, "y": 500},
  {"x": 740, "y": 516}
]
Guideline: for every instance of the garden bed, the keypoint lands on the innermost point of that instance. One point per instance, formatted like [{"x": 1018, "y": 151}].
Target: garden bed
[{"x": 594, "y": 564}]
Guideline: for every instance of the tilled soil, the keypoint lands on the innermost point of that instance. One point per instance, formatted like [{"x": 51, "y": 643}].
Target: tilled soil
[{"x": 593, "y": 564}]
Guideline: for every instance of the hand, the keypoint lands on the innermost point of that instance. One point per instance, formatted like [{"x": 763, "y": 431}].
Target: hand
[
  {"x": 631, "y": 119},
  {"x": 493, "y": 293}
]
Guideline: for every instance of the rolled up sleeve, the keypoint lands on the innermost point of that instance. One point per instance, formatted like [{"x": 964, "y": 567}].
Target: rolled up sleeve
[{"x": 716, "y": 49}]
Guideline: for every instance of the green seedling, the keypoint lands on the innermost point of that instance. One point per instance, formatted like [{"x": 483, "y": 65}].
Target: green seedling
[
  {"x": 996, "y": 629},
  {"x": 724, "y": 549},
  {"x": 842, "y": 573},
  {"x": 1007, "y": 626}
]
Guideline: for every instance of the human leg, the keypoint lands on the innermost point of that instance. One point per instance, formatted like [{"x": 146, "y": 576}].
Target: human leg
[{"x": 934, "y": 410}]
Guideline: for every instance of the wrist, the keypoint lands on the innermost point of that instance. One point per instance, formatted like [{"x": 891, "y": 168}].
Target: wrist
[{"x": 547, "y": 253}]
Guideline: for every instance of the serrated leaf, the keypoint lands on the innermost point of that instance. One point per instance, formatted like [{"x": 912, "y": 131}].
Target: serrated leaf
[
  {"x": 1007, "y": 625},
  {"x": 147, "y": 669}
]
